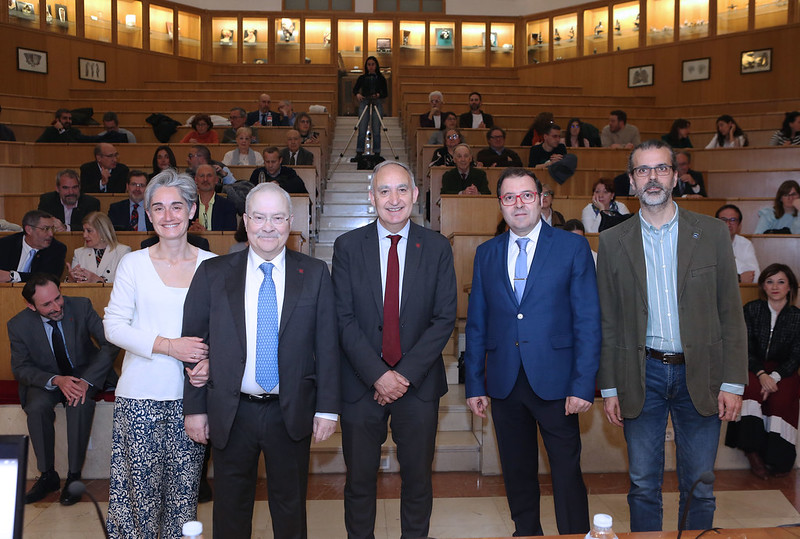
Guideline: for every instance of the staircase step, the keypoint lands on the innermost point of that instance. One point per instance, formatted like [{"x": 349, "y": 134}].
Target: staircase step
[{"x": 348, "y": 208}]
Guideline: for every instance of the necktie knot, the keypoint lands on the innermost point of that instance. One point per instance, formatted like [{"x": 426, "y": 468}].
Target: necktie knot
[
  {"x": 523, "y": 243},
  {"x": 395, "y": 238},
  {"x": 135, "y": 206},
  {"x": 266, "y": 268},
  {"x": 53, "y": 324}
]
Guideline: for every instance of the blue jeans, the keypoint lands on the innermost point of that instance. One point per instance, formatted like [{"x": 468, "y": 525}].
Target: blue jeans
[
  {"x": 696, "y": 440},
  {"x": 376, "y": 125}
]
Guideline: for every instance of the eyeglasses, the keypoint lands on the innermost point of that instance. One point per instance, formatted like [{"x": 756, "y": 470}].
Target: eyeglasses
[
  {"x": 260, "y": 220},
  {"x": 193, "y": 155},
  {"x": 792, "y": 194},
  {"x": 44, "y": 228},
  {"x": 453, "y": 137},
  {"x": 527, "y": 197},
  {"x": 644, "y": 171},
  {"x": 575, "y": 125},
  {"x": 138, "y": 185},
  {"x": 547, "y": 194},
  {"x": 116, "y": 154},
  {"x": 731, "y": 220},
  {"x": 497, "y": 136}
]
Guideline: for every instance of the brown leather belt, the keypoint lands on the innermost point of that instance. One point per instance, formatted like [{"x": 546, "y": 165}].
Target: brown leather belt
[
  {"x": 666, "y": 358},
  {"x": 264, "y": 397}
]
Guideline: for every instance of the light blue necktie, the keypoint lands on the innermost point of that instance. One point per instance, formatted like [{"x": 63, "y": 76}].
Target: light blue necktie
[
  {"x": 521, "y": 269},
  {"x": 27, "y": 267},
  {"x": 267, "y": 333}
]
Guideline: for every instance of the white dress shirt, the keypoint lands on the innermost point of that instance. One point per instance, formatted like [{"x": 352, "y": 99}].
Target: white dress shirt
[
  {"x": 513, "y": 250},
  {"x": 385, "y": 244}
]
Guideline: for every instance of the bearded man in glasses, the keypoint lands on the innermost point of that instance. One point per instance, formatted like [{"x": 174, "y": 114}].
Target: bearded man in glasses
[{"x": 32, "y": 250}]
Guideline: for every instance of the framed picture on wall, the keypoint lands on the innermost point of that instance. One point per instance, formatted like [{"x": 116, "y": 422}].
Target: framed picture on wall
[
  {"x": 94, "y": 70},
  {"x": 640, "y": 76},
  {"x": 32, "y": 60},
  {"x": 697, "y": 69},
  {"x": 756, "y": 61}
]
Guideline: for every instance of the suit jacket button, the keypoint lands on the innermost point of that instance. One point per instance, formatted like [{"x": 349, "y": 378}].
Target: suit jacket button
[
  {"x": 520, "y": 316},
  {"x": 380, "y": 328},
  {"x": 516, "y": 343}
]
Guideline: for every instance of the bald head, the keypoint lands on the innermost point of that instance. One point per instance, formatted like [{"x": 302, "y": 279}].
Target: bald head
[
  {"x": 293, "y": 140},
  {"x": 264, "y": 102}
]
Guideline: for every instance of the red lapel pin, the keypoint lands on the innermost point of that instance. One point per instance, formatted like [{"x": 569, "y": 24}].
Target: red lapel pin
[
  {"x": 300, "y": 270},
  {"x": 418, "y": 246}
]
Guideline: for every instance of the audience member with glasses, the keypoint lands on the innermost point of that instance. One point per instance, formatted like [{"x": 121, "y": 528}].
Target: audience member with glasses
[
  {"x": 743, "y": 251},
  {"x": 238, "y": 118},
  {"x": 549, "y": 215},
  {"x": 105, "y": 174},
  {"x": 32, "y": 250},
  {"x": 497, "y": 155},
  {"x": 782, "y": 217},
  {"x": 444, "y": 157},
  {"x": 575, "y": 135},
  {"x": 604, "y": 203},
  {"x": 97, "y": 260},
  {"x": 202, "y": 132}
]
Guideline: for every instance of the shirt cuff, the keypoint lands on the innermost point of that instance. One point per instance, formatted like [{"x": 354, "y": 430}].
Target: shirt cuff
[
  {"x": 15, "y": 277},
  {"x": 736, "y": 389},
  {"x": 50, "y": 386},
  {"x": 775, "y": 376},
  {"x": 323, "y": 415},
  {"x": 606, "y": 393}
]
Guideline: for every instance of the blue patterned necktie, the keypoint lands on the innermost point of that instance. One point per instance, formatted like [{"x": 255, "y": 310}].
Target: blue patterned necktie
[
  {"x": 267, "y": 333},
  {"x": 521, "y": 269}
]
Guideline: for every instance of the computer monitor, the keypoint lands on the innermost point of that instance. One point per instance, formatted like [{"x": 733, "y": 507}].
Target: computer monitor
[{"x": 13, "y": 468}]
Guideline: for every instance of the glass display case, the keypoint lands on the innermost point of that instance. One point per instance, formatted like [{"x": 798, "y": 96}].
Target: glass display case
[
  {"x": 97, "y": 20},
  {"x": 693, "y": 17},
  {"x": 502, "y": 51},
  {"x": 595, "y": 31},
  {"x": 538, "y": 41},
  {"x": 129, "y": 23},
  {"x": 59, "y": 15},
  {"x": 732, "y": 16},
  {"x": 565, "y": 46},
  {"x": 161, "y": 29},
  {"x": 660, "y": 21},
  {"x": 412, "y": 43},
  {"x": 287, "y": 40},
  {"x": 379, "y": 42},
  {"x": 771, "y": 13},
  {"x": 224, "y": 39},
  {"x": 473, "y": 44},
  {"x": 442, "y": 37},
  {"x": 189, "y": 35},
  {"x": 318, "y": 41},
  {"x": 26, "y": 13},
  {"x": 350, "y": 40},
  {"x": 626, "y": 26},
  {"x": 255, "y": 40}
]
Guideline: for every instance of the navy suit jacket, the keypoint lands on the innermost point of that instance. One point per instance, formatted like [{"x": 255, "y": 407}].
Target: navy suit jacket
[
  {"x": 255, "y": 116},
  {"x": 51, "y": 203},
  {"x": 554, "y": 332},
  {"x": 90, "y": 178},
  {"x": 50, "y": 259},
  {"x": 120, "y": 215}
]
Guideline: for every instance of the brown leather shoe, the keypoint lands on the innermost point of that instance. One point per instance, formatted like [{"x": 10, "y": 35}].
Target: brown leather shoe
[{"x": 757, "y": 466}]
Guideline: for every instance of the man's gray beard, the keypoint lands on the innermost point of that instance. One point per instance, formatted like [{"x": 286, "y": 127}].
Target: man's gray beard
[{"x": 642, "y": 195}]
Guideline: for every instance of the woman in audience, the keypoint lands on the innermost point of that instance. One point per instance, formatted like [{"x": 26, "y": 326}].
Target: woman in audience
[
  {"x": 202, "y": 132},
  {"x": 549, "y": 215},
  {"x": 678, "y": 136},
  {"x": 575, "y": 135},
  {"x": 539, "y": 126},
  {"x": 782, "y": 217},
  {"x": 155, "y": 466},
  {"x": 444, "y": 156},
  {"x": 243, "y": 155},
  {"x": 305, "y": 127},
  {"x": 789, "y": 133},
  {"x": 450, "y": 121},
  {"x": 96, "y": 261},
  {"x": 163, "y": 158},
  {"x": 729, "y": 134},
  {"x": 767, "y": 430},
  {"x": 603, "y": 201}
]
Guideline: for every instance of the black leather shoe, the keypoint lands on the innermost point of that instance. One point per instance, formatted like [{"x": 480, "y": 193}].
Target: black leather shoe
[
  {"x": 204, "y": 493},
  {"x": 357, "y": 157},
  {"x": 48, "y": 482},
  {"x": 67, "y": 498}
]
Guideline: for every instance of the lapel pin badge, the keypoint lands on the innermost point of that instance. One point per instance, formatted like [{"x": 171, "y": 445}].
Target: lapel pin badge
[
  {"x": 418, "y": 246},
  {"x": 695, "y": 235},
  {"x": 300, "y": 270}
]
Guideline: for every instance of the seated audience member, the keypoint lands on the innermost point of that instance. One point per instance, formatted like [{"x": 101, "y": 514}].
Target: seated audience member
[
  {"x": 32, "y": 250},
  {"x": 618, "y": 133},
  {"x": 129, "y": 214},
  {"x": 443, "y": 157},
  {"x": 287, "y": 111},
  {"x": 767, "y": 429},
  {"x": 464, "y": 179},
  {"x": 449, "y": 121},
  {"x": 622, "y": 185},
  {"x": 213, "y": 212},
  {"x": 690, "y": 182},
  {"x": 6, "y": 134},
  {"x": 274, "y": 171},
  {"x": 549, "y": 215},
  {"x": 787, "y": 135},
  {"x": 576, "y": 227},
  {"x": 576, "y": 138},
  {"x": 61, "y": 129},
  {"x": 434, "y": 117},
  {"x": 111, "y": 124},
  {"x": 264, "y": 117},
  {"x": 782, "y": 217},
  {"x": 243, "y": 154},
  {"x": 540, "y": 124},
  {"x": 67, "y": 204},
  {"x": 743, "y": 252},
  {"x": 497, "y": 155},
  {"x": 549, "y": 150},
  {"x": 603, "y": 202},
  {"x": 105, "y": 174},
  {"x": 202, "y": 131},
  {"x": 294, "y": 154},
  {"x": 678, "y": 136},
  {"x": 237, "y": 117},
  {"x": 729, "y": 134},
  {"x": 475, "y": 118},
  {"x": 96, "y": 261},
  {"x": 55, "y": 361},
  {"x": 241, "y": 239},
  {"x": 201, "y": 155},
  {"x": 163, "y": 158},
  {"x": 305, "y": 127}
]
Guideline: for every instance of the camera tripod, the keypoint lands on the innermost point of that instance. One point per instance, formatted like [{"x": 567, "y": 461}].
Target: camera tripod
[{"x": 368, "y": 112}]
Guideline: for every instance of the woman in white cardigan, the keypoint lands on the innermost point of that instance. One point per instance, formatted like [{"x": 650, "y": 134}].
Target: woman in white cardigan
[
  {"x": 96, "y": 261},
  {"x": 243, "y": 154}
]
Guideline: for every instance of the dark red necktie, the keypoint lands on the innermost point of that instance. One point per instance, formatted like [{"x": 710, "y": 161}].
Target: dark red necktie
[
  {"x": 135, "y": 217},
  {"x": 391, "y": 306}
]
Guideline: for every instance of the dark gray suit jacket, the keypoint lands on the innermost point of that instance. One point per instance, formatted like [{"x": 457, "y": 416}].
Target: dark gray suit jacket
[
  {"x": 51, "y": 203},
  {"x": 304, "y": 157}
]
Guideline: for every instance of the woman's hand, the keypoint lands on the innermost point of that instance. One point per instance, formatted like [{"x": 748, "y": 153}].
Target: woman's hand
[
  {"x": 198, "y": 376},
  {"x": 598, "y": 204},
  {"x": 187, "y": 349},
  {"x": 768, "y": 385},
  {"x": 78, "y": 274}
]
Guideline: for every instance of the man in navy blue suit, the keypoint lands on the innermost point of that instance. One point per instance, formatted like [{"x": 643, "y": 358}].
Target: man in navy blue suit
[
  {"x": 533, "y": 345},
  {"x": 129, "y": 214}
]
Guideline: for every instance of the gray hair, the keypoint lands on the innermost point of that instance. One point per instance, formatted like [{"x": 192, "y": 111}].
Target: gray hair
[
  {"x": 69, "y": 173},
  {"x": 270, "y": 187},
  {"x": 240, "y": 110},
  {"x": 170, "y": 177},
  {"x": 652, "y": 144},
  {"x": 434, "y": 94},
  {"x": 383, "y": 164},
  {"x": 462, "y": 145}
]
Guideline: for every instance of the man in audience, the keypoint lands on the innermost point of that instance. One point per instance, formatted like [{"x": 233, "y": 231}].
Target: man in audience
[
  {"x": 618, "y": 134},
  {"x": 497, "y": 155},
  {"x": 201, "y": 155},
  {"x": 56, "y": 362},
  {"x": 67, "y": 204},
  {"x": 213, "y": 213},
  {"x": 111, "y": 124},
  {"x": 690, "y": 182},
  {"x": 464, "y": 179},
  {"x": 287, "y": 111},
  {"x": 129, "y": 214},
  {"x": 746, "y": 262},
  {"x": 294, "y": 153},
  {"x": 6, "y": 134},
  {"x": 433, "y": 118},
  {"x": 274, "y": 171},
  {"x": 238, "y": 118},
  {"x": 61, "y": 129},
  {"x": 32, "y": 250},
  {"x": 264, "y": 117},
  {"x": 104, "y": 174},
  {"x": 475, "y": 117},
  {"x": 674, "y": 340},
  {"x": 550, "y": 150}
]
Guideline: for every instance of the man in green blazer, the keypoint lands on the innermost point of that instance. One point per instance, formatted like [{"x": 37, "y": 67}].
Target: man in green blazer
[{"x": 674, "y": 338}]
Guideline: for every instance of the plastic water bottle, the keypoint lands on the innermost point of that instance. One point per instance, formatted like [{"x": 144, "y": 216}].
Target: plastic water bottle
[
  {"x": 269, "y": 119},
  {"x": 192, "y": 530},
  {"x": 601, "y": 527}
]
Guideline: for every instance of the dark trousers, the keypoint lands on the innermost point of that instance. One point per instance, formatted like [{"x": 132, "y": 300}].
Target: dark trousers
[
  {"x": 259, "y": 428},
  {"x": 40, "y": 408},
  {"x": 364, "y": 430},
  {"x": 515, "y": 421}
]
